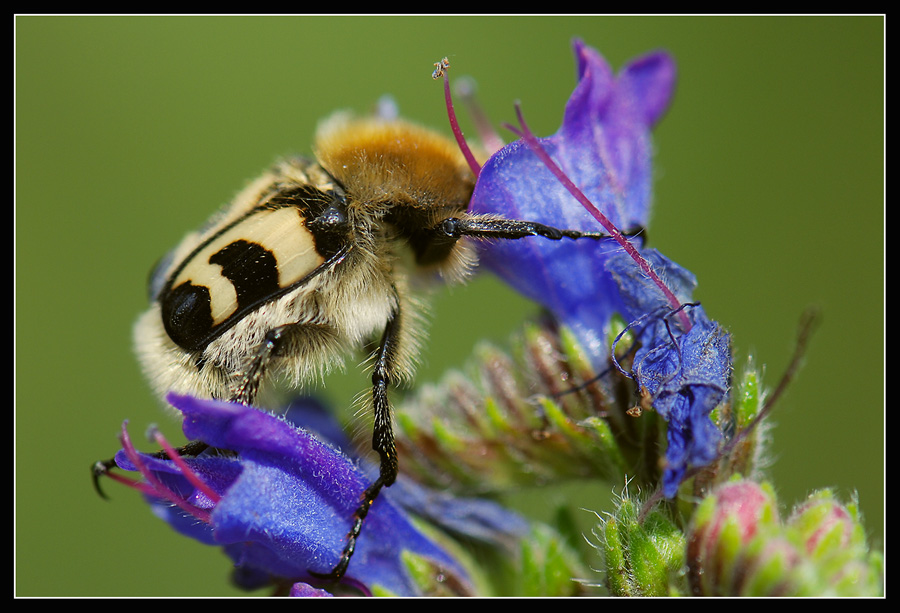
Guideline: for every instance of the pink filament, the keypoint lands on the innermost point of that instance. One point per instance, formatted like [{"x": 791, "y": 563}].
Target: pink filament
[
  {"x": 156, "y": 486},
  {"x": 531, "y": 140},
  {"x": 454, "y": 124},
  {"x": 186, "y": 470}
]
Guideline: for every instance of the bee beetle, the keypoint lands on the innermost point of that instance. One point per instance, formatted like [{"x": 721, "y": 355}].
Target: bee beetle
[{"x": 311, "y": 261}]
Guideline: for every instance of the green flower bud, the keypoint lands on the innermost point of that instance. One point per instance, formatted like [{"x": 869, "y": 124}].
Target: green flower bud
[
  {"x": 536, "y": 415},
  {"x": 737, "y": 546},
  {"x": 833, "y": 538},
  {"x": 641, "y": 556},
  {"x": 724, "y": 526}
]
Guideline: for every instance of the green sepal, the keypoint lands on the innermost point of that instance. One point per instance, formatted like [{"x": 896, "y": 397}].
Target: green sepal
[{"x": 643, "y": 556}]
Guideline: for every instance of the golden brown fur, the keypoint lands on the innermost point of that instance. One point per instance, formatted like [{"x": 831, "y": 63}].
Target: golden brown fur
[{"x": 382, "y": 166}]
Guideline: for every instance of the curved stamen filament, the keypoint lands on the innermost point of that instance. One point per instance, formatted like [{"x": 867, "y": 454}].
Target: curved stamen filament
[
  {"x": 158, "y": 489},
  {"x": 142, "y": 487},
  {"x": 440, "y": 71},
  {"x": 186, "y": 470},
  {"x": 531, "y": 140}
]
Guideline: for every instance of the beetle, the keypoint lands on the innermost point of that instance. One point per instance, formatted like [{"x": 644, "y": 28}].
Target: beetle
[{"x": 313, "y": 260}]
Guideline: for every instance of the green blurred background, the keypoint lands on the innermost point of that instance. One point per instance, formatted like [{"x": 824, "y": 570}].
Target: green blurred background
[{"x": 131, "y": 131}]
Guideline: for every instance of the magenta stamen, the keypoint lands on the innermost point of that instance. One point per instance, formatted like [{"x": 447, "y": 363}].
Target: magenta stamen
[
  {"x": 441, "y": 71},
  {"x": 186, "y": 470},
  {"x": 140, "y": 486},
  {"x": 158, "y": 489},
  {"x": 531, "y": 140}
]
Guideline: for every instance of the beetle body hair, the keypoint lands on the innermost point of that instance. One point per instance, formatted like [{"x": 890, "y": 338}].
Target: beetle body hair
[{"x": 382, "y": 167}]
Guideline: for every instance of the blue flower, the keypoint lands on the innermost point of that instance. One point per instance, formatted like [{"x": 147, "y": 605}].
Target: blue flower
[
  {"x": 597, "y": 168},
  {"x": 684, "y": 374},
  {"x": 279, "y": 501},
  {"x": 604, "y": 147}
]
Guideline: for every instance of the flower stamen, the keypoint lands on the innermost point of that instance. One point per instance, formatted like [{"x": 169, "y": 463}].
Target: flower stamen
[
  {"x": 186, "y": 470},
  {"x": 440, "y": 72},
  {"x": 156, "y": 487},
  {"x": 525, "y": 133},
  {"x": 134, "y": 484}
]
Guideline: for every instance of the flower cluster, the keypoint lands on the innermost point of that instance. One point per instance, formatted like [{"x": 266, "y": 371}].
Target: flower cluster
[
  {"x": 604, "y": 148},
  {"x": 626, "y": 365},
  {"x": 684, "y": 362},
  {"x": 279, "y": 499},
  {"x": 738, "y": 546}
]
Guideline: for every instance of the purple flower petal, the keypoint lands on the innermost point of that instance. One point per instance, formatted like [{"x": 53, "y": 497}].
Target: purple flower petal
[
  {"x": 307, "y": 591},
  {"x": 604, "y": 147},
  {"x": 287, "y": 500}
]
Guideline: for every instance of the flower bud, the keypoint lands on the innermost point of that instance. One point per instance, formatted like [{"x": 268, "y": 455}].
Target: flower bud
[
  {"x": 738, "y": 547},
  {"x": 642, "y": 556},
  {"x": 833, "y": 539},
  {"x": 725, "y": 525}
]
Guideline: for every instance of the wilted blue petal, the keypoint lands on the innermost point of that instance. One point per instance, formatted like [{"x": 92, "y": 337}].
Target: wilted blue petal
[
  {"x": 286, "y": 503},
  {"x": 685, "y": 374},
  {"x": 604, "y": 147}
]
